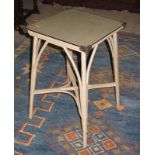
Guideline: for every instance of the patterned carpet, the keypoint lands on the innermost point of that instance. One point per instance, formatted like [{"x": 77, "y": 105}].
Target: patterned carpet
[{"x": 55, "y": 128}]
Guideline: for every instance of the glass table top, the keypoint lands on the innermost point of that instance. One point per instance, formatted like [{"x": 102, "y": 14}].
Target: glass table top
[{"x": 76, "y": 27}]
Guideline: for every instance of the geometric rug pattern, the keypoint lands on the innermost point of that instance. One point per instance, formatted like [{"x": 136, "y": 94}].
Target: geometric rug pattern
[
  {"x": 55, "y": 128},
  {"x": 101, "y": 140}
]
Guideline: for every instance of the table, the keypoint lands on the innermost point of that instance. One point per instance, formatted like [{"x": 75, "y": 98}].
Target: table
[{"x": 82, "y": 32}]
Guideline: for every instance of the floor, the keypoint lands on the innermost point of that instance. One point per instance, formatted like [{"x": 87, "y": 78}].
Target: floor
[{"x": 132, "y": 19}]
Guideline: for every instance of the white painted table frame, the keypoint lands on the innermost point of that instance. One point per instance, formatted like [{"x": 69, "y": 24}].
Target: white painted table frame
[{"x": 78, "y": 83}]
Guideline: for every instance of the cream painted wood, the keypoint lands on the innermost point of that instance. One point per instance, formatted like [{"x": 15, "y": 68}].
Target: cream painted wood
[
  {"x": 105, "y": 85},
  {"x": 112, "y": 40},
  {"x": 78, "y": 83},
  {"x": 90, "y": 62},
  {"x": 73, "y": 64},
  {"x": 116, "y": 70},
  {"x": 39, "y": 44},
  {"x": 72, "y": 78},
  {"x": 33, "y": 76},
  {"x": 35, "y": 60},
  {"x": 84, "y": 97},
  {"x": 40, "y": 53},
  {"x": 73, "y": 88}
]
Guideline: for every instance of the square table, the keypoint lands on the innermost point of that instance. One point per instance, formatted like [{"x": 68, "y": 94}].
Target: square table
[{"x": 75, "y": 31}]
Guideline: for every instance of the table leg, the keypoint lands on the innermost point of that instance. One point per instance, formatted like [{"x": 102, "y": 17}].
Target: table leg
[
  {"x": 72, "y": 80},
  {"x": 84, "y": 97},
  {"x": 33, "y": 75},
  {"x": 70, "y": 77},
  {"x": 116, "y": 70},
  {"x": 113, "y": 44}
]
